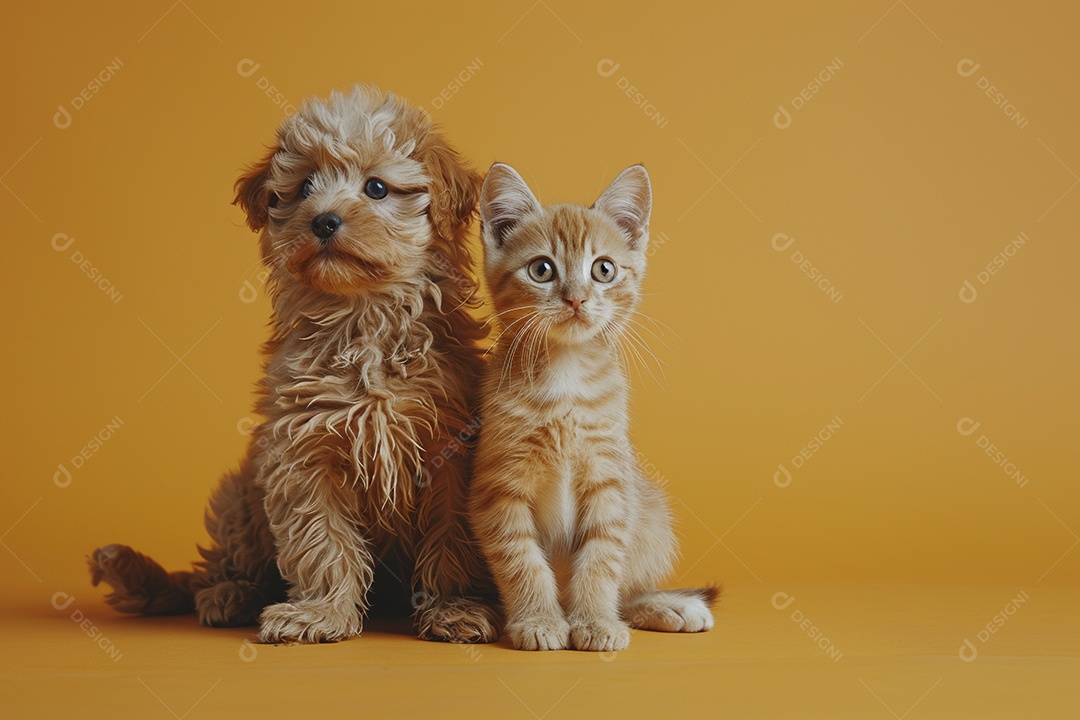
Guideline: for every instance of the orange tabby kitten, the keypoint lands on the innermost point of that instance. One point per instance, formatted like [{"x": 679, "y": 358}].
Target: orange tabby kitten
[{"x": 576, "y": 535}]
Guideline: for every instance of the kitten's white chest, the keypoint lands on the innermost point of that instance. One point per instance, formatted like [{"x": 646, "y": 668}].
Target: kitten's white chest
[
  {"x": 566, "y": 378},
  {"x": 555, "y": 514}
]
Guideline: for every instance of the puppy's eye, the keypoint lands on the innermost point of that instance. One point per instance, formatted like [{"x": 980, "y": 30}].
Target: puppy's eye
[
  {"x": 542, "y": 270},
  {"x": 376, "y": 189},
  {"x": 274, "y": 200},
  {"x": 307, "y": 188},
  {"x": 603, "y": 270}
]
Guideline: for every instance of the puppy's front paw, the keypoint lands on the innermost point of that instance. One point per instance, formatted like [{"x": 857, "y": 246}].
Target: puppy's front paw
[
  {"x": 307, "y": 622},
  {"x": 599, "y": 635},
  {"x": 459, "y": 620},
  {"x": 539, "y": 633}
]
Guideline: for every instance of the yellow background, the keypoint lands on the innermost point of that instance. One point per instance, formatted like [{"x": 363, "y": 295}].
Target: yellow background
[{"x": 899, "y": 179}]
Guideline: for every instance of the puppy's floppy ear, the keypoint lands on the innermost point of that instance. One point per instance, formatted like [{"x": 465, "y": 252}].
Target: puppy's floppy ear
[
  {"x": 505, "y": 200},
  {"x": 454, "y": 188},
  {"x": 252, "y": 194}
]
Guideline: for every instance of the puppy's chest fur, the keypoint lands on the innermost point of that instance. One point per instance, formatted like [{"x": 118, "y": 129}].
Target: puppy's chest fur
[{"x": 362, "y": 398}]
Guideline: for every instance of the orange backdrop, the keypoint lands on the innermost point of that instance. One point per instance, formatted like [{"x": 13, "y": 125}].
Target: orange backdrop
[{"x": 864, "y": 260}]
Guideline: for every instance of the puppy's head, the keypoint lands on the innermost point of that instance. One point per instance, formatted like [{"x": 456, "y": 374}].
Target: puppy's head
[{"x": 359, "y": 194}]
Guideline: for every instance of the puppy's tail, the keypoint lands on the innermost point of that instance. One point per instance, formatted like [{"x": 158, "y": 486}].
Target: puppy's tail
[
  {"x": 140, "y": 585},
  {"x": 685, "y": 610}
]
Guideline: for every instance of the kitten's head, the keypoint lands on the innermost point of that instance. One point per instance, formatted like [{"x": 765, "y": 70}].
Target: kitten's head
[{"x": 565, "y": 272}]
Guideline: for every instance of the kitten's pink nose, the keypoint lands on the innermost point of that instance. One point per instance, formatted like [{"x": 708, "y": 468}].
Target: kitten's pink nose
[{"x": 574, "y": 303}]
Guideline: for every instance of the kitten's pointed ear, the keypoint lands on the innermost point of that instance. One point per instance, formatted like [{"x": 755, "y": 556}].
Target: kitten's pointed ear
[
  {"x": 628, "y": 201},
  {"x": 505, "y": 200}
]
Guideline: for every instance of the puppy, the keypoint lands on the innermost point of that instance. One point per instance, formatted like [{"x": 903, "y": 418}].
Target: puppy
[{"x": 371, "y": 371}]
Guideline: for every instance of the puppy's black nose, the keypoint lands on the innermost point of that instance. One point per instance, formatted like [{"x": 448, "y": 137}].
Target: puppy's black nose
[{"x": 325, "y": 225}]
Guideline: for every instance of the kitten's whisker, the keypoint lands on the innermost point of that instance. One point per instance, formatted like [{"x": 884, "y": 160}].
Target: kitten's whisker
[
  {"x": 508, "y": 361},
  {"x": 509, "y": 310},
  {"x": 533, "y": 334},
  {"x": 534, "y": 317},
  {"x": 532, "y": 354},
  {"x": 649, "y": 330},
  {"x": 657, "y": 323},
  {"x": 636, "y": 345},
  {"x": 636, "y": 336},
  {"x": 496, "y": 340}
]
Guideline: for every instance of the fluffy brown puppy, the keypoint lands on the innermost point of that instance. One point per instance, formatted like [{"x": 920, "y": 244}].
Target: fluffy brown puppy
[{"x": 371, "y": 370}]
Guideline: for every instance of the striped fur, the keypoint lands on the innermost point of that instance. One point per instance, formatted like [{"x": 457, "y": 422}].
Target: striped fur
[{"x": 577, "y": 537}]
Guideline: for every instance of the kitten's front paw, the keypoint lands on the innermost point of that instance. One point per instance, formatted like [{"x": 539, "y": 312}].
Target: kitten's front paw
[
  {"x": 599, "y": 635},
  {"x": 307, "y": 622},
  {"x": 539, "y": 633}
]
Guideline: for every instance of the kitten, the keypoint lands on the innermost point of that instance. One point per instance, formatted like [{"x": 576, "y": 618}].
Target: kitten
[{"x": 575, "y": 533}]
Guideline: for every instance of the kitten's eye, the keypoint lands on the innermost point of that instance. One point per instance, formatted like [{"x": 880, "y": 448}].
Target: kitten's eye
[
  {"x": 376, "y": 189},
  {"x": 603, "y": 270},
  {"x": 307, "y": 188},
  {"x": 542, "y": 270}
]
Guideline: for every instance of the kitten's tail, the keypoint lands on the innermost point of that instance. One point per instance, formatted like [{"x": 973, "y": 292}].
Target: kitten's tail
[
  {"x": 684, "y": 610},
  {"x": 140, "y": 585}
]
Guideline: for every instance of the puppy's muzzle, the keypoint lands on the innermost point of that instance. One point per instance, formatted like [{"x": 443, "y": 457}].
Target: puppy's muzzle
[{"x": 325, "y": 225}]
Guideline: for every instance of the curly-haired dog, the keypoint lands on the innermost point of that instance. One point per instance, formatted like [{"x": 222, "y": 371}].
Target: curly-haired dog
[{"x": 371, "y": 370}]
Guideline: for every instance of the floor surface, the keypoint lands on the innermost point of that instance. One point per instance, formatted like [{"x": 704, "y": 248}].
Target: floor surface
[{"x": 859, "y": 652}]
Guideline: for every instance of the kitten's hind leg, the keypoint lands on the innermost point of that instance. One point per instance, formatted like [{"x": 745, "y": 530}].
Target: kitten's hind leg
[{"x": 672, "y": 610}]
